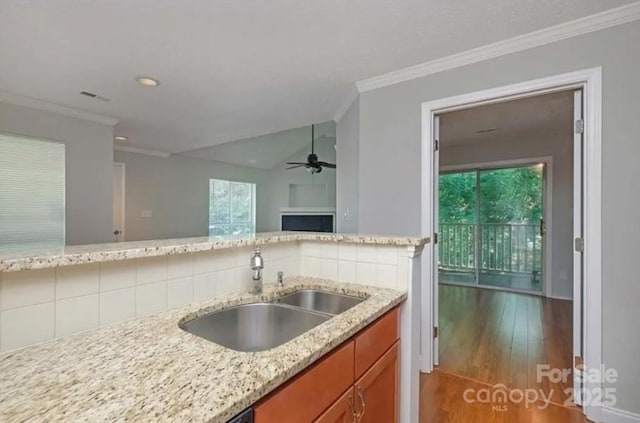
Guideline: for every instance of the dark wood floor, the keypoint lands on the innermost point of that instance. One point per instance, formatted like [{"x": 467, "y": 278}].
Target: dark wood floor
[{"x": 492, "y": 337}]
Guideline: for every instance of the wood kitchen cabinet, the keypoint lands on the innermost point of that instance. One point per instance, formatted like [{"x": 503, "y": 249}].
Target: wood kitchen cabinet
[
  {"x": 341, "y": 411},
  {"x": 356, "y": 382},
  {"x": 377, "y": 390}
]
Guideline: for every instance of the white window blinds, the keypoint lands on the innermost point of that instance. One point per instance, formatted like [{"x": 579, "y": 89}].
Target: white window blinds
[{"x": 32, "y": 193}]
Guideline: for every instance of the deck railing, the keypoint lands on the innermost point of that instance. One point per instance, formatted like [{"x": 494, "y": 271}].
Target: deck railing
[{"x": 512, "y": 248}]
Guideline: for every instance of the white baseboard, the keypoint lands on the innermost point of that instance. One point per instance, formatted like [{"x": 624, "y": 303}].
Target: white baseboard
[{"x": 615, "y": 415}]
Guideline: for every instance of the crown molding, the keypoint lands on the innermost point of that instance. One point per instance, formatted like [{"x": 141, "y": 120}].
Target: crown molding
[
  {"x": 45, "y": 106},
  {"x": 140, "y": 150},
  {"x": 587, "y": 24},
  {"x": 346, "y": 103}
]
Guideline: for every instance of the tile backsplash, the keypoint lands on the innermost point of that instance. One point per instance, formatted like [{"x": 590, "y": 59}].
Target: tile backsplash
[{"x": 40, "y": 305}]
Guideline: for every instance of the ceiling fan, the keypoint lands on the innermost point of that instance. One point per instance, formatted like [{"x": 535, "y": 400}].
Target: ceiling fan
[{"x": 313, "y": 165}]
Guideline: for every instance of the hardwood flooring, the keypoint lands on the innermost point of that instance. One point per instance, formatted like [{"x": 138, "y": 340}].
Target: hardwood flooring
[{"x": 492, "y": 337}]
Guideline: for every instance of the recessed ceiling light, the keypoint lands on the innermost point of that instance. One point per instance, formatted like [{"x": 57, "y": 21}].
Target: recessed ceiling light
[
  {"x": 120, "y": 138},
  {"x": 147, "y": 81}
]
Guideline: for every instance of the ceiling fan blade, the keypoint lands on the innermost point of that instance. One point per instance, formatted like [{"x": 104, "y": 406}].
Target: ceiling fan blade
[
  {"x": 296, "y": 163},
  {"x": 296, "y": 166},
  {"x": 329, "y": 165}
]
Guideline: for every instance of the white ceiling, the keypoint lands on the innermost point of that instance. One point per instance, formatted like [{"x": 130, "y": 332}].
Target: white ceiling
[
  {"x": 513, "y": 119},
  {"x": 267, "y": 151},
  {"x": 237, "y": 69}
]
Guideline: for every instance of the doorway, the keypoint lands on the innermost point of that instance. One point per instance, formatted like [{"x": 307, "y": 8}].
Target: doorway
[
  {"x": 587, "y": 283},
  {"x": 492, "y": 228}
]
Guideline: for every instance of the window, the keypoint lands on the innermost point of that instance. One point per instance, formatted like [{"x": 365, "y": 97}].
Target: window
[
  {"x": 31, "y": 193},
  {"x": 232, "y": 209}
]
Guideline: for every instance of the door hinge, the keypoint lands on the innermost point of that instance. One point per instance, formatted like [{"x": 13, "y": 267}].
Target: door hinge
[
  {"x": 578, "y": 244},
  {"x": 578, "y": 362},
  {"x": 579, "y": 126},
  {"x": 436, "y": 145},
  {"x": 435, "y": 331},
  {"x": 435, "y": 238}
]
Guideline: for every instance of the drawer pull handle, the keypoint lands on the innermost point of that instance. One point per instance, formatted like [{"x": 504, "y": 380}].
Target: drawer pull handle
[
  {"x": 353, "y": 410},
  {"x": 361, "y": 396}
]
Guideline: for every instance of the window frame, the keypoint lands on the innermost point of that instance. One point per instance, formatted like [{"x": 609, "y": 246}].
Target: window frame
[{"x": 232, "y": 186}]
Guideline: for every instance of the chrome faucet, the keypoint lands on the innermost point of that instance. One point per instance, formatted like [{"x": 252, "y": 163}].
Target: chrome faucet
[{"x": 257, "y": 264}]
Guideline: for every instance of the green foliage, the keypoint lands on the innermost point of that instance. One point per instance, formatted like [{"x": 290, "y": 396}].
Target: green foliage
[{"x": 511, "y": 195}]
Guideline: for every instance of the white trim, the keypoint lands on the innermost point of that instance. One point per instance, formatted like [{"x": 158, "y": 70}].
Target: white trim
[
  {"x": 140, "y": 150},
  {"x": 45, "y": 106},
  {"x": 547, "y": 257},
  {"x": 123, "y": 208},
  {"x": 591, "y": 82},
  {"x": 598, "y": 21},
  {"x": 346, "y": 103},
  {"x": 615, "y": 415}
]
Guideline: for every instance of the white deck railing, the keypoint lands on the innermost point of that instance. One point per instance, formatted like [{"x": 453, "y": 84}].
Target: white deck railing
[{"x": 513, "y": 248}]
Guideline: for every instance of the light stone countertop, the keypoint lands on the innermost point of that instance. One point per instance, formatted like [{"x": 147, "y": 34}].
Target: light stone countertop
[
  {"x": 16, "y": 260},
  {"x": 149, "y": 369}
]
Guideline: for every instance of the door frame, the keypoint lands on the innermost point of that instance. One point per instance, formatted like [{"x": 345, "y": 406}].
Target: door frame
[
  {"x": 547, "y": 204},
  {"x": 123, "y": 188},
  {"x": 590, "y": 81}
]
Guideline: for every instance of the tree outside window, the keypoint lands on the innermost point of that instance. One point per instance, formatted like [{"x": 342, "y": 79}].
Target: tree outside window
[{"x": 231, "y": 207}]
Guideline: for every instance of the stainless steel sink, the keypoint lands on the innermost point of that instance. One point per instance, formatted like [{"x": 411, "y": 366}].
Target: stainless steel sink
[
  {"x": 254, "y": 327},
  {"x": 320, "y": 301}
]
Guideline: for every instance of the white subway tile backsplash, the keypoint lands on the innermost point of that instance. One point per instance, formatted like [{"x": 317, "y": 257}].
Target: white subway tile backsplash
[
  {"x": 330, "y": 269},
  {"x": 312, "y": 249},
  {"x": 386, "y": 276},
  {"x": 330, "y": 250},
  {"x": 179, "y": 292},
  {"x": 366, "y": 253},
  {"x": 311, "y": 266},
  {"x": 204, "y": 286},
  {"x": 77, "y": 314},
  {"x": 180, "y": 265},
  {"x": 76, "y": 281},
  {"x": 233, "y": 280},
  {"x": 151, "y": 269},
  {"x": 386, "y": 254},
  {"x": 151, "y": 298},
  {"x": 117, "y": 306},
  {"x": 366, "y": 273},
  {"x": 210, "y": 261},
  {"x": 26, "y": 325},
  {"x": 347, "y": 251},
  {"x": 347, "y": 271},
  {"x": 117, "y": 275},
  {"x": 20, "y": 289}
]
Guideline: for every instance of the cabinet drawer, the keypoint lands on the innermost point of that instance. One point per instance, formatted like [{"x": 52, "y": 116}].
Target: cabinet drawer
[
  {"x": 308, "y": 395},
  {"x": 373, "y": 341}
]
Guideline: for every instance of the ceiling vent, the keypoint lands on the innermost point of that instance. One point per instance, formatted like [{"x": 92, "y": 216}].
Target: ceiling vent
[{"x": 95, "y": 96}]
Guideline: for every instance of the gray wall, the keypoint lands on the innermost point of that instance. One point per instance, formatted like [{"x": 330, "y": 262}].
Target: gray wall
[
  {"x": 541, "y": 144},
  {"x": 390, "y": 199},
  {"x": 89, "y": 167},
  {"x": 347, "y": 133},
  {"x": 176, "y": 190}
]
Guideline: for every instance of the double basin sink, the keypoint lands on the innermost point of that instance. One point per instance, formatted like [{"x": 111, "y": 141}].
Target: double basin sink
[{"x": 263, "y": 326}]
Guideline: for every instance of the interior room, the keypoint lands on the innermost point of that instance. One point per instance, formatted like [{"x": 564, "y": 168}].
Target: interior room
[
  {"x": 505, "y": 242},
  {"x": 327, "y": 212}
]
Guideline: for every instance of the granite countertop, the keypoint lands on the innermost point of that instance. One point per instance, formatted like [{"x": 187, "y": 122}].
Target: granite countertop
[
  {"x": 150, "y": 369},
  {"x": 16, "y": 260}
]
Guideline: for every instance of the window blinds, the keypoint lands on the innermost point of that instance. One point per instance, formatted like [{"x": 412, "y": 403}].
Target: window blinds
[{"x": 32, "y": 193}]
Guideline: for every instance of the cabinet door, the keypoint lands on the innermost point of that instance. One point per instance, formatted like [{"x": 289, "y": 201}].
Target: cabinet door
[
  {"x": 304, "y": 398},
  {"x": 377, "y": 390},
  {"x": 342, "y": 411}
]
